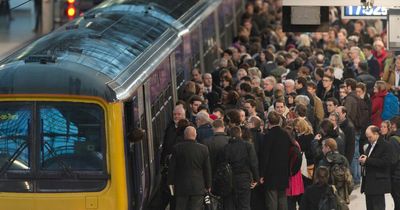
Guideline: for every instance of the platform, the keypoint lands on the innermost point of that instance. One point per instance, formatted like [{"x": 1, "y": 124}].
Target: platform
[
  {"x": 16, "y": 32},
  {"x": 357, "y": 201}
]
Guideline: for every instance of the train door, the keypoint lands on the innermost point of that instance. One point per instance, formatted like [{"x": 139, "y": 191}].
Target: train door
[{"x": 138, "y": 151}]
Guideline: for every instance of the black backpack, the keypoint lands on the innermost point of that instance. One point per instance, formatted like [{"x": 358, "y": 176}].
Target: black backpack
[
  {"x": 295, "y": 159},
  {"x": 330, "y": 200},
  {"x": 222, "y": 183}
]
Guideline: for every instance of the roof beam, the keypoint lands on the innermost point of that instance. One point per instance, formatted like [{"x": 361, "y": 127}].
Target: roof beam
[{"x": 383, "y": 3}]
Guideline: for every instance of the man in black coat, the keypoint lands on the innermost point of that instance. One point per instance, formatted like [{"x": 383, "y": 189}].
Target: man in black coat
[
  {"x": 373, "y": 63},
  {"x": 275, "y": 163},
  {"x": 211, "y": 92},
  {"x": 242, "y": 157},
  {"x": 169, "y": 142},
  {"x": 189, "y": 174},
  {"x": 170, "y": 139},
  {"x": 365, "y": 77},
  {"x": 376, "y": 170},
  {"x": 216, "y": 143},
  {"x": 395, "y": 142},
  {"x": 349, "y": 131}
]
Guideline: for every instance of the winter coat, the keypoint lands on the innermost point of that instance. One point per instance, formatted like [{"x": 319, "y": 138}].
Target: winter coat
[
  {"x": 203, "y": 132},
  {"x": 275, "y": 159},
  {"x": 350, "y": 139},
  {"x": 389, "y": 75},
  {"x": 351, "y": 104},
  {"x": 216, "y": 146},
  {"x": 393, "y": 140},
  {"x": 377, "y": 107},
  {"x": 368, "y": 80},
  {"x": 376, "y": 178}
]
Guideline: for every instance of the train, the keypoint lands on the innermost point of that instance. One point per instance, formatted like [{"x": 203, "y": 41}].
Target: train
[{"x": 71, "y": 100}]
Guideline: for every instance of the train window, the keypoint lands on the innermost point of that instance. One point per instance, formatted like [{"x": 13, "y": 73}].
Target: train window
[
  {"x": 238, "y": 5},
  {"x": 72, "y": 145},
  {"x": 227, "y": 11},
  {"x": 15, "y": 124},
  {"x": 208, "y": 30},
  {"x": 187, "y": 54},
  {"x": 67, "y": 152},
  {"x": 209, "y": 43},
  {"x": 195, "y": 44},
  {"x": 161, "y": 106},
  {"x": 180, "y": 66},
  {"x": 160, "y": 80},
  {"x": 70, "y": 137}
]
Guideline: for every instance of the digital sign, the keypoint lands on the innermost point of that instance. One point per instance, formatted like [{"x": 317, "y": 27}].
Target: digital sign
[{"x": 360, "y": 12}]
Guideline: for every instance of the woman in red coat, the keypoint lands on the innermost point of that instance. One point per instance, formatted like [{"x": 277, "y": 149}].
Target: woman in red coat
[{"x": 377, "y": 102}]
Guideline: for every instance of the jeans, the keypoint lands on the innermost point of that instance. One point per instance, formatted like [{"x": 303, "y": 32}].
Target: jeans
[{"x": 355, "y": 165}]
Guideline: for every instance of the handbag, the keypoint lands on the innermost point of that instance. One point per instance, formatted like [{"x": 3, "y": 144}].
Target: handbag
[
  {"x": 304, "y": 169},
  {"x": 212, "y": 202}
]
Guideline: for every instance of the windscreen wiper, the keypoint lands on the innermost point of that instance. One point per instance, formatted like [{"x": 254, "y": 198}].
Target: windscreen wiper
[
  {"x": 60, "y": 162},
  {"x": 11, "y": 159}
]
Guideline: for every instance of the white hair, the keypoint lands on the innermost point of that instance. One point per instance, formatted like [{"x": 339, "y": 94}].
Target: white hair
[
  {"x": 203, "y": 117},
  {"x": 289, "y": 82},
  {"x": 302, "y": 99}
]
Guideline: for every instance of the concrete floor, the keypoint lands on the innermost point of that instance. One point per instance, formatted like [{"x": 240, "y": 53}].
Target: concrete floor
[
  {"x": 16, "y": 32},
  {"x": 357, "y": 201}
]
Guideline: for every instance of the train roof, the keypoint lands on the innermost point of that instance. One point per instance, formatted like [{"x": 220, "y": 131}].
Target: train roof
[{"x": 109, "y": 51}]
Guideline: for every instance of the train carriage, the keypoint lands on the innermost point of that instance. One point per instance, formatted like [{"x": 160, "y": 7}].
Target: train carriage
[{"x": 69, "y": 100}]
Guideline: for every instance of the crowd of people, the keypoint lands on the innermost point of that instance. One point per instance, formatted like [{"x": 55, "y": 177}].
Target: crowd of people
[{"x": 333, "y": 95}]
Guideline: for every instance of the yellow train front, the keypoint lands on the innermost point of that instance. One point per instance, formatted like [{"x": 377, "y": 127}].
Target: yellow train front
[{"x": 69, "y": 100}]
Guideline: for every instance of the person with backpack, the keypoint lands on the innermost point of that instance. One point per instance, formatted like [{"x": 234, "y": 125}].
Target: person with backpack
[
  {"x": 242, "y": 157},
  {"x": 394, "y": 140},
  {"x": 216, "y": 143},
  {"x": 364, "y": 76},
  {"x": 320, "y": 195},
  {"x": 390, "y": 106},
  {"x": 375, "y": 169},
  {"x": 377, "y": 102},
  {"x": 275, "y": 163},
  {"x": 339, "y": 169},
  {"x": 326, "y": 131}
]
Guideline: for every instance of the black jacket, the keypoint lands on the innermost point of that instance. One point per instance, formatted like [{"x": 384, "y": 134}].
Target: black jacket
[
  {"x": 216, "y": 146},
  {"x": 376, "y": 179},
  {"x": 374, "y": 68},
  {"x": 242, "y": 157},
  {"x": 275, "y": 159},
  {"x": 316, "y": 147},
  {"x": 350, "y": 139},
  {"x": 190, "y": 170},
  {"x": 305, "y": 144},
  {"x": 395, "y": 143},
  {"x": 203, "y": 132},
  {"x": 169, "y": 142},
  {"x": 332, "y": 93},
  {"x": 312, "y": 196},
  {"x": 332, "y": 158},
  {"x": 368, "y": 80},
  {"x": 266, "y": 68}
]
